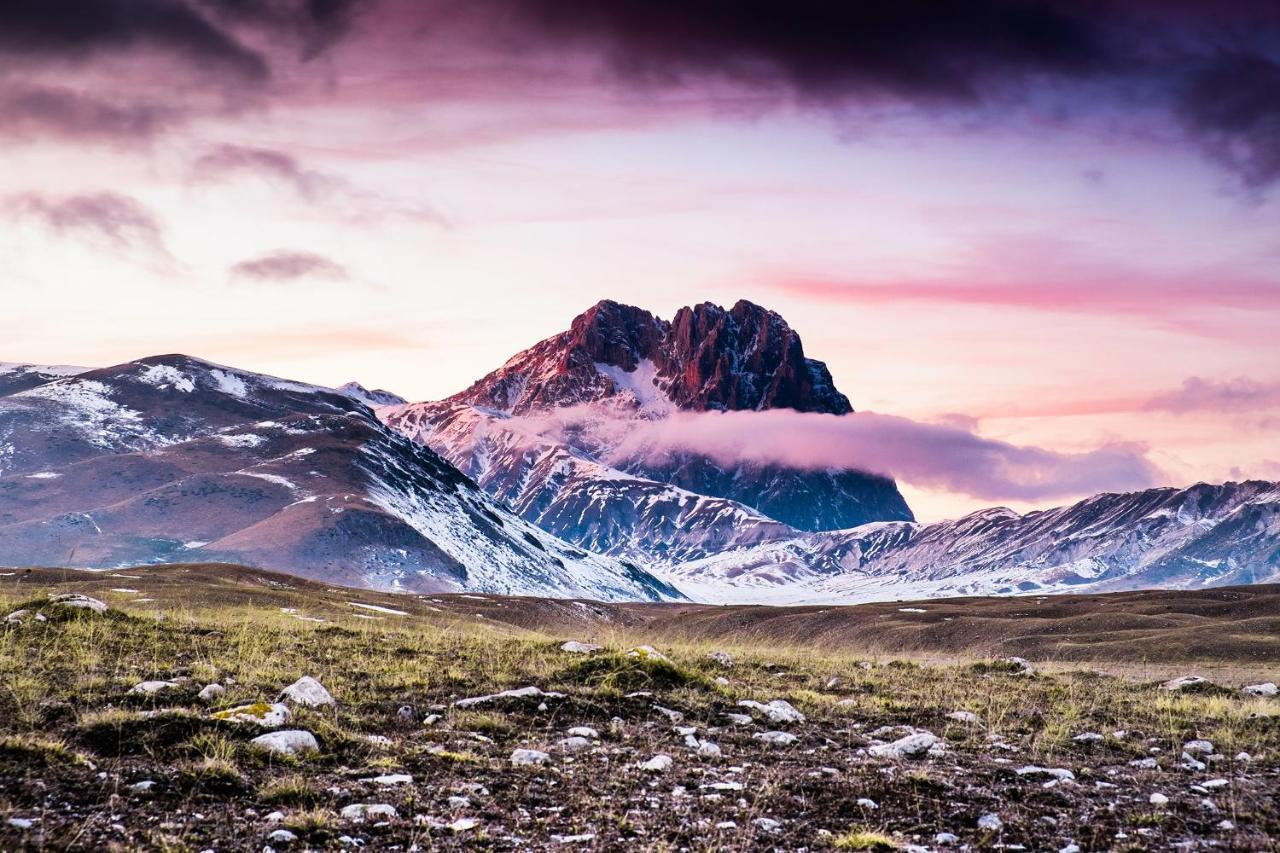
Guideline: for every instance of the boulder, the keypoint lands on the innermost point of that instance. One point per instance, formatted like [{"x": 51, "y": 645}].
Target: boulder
[
  {"x": 1185, "y": 682},
  {"x": 657, "y": 764},
  {"x": 573, "y": 647},
  {"x": 77, "y": 601},
  {"x": 287, "y": 742},
  {"x": 777, "y": 711},
  {"x": 911, "y": 746},
  {"x": 529, "y": 758},
  {"x": 308, "y": 692},
  {"x": 211, "y": 693},
  {"x": 1266, "y": 688}
]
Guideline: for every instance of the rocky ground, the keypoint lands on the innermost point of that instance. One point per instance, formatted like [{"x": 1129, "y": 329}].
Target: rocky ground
[{"x": 240, "y": 724}]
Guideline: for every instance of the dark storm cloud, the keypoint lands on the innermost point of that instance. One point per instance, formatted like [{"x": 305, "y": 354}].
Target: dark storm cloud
[
  {"x": 104, "y": 218},
  {"x": 1233, "y": 106},
  {"x": 79, "y": 29},
  {"x": 286, "y": 265},
  {"x": 55, "y": 111},
  {"x": 819, "y": 48}
]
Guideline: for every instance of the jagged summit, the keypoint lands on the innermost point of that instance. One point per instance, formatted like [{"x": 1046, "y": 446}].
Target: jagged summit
[{"x": 707, "y": 358}]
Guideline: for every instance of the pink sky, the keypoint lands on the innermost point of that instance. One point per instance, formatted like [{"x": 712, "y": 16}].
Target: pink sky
[{"x": 1054, "y": 281}]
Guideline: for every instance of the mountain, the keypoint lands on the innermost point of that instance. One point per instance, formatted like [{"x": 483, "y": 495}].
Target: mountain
[
  {"x": 617, "y": 364},
  {"x": 171, "y": 459},
  {"x": 1201, "y": 536},
  {"x": 372, "y": 399}
]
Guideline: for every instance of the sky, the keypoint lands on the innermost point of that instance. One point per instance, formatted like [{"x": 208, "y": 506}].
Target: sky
[{"x": 1043, "y": 226}]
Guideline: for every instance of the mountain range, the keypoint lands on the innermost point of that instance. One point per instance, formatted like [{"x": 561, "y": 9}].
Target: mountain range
[{"x": 530, "y": 482}]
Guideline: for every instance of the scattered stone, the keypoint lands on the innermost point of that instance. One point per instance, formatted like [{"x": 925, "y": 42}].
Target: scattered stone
[
  {"x": 776, "y": 738},
  {"x": 16, "y": 617},
  {"x": 523, "y": 694},
  {"x": 574, "y": 744},
  {"x": 405, "y": 715},
  {"x": 1088, "y": 737},
  {"x": 1059, "y": 773},
  {"x": 1215, "y": 784},
  {"x": 142, "y": 787},
  {"x": 360, "y": 812},
  {"x": 946, "y": 839},
  {"x": 274, "y": 817},
  {"x": 722, "y": 658},
  {"x": 766, "y": 824},
  {"x": 581, "y": 838},
  {"x": 867, "y": 803},
  {"x": 583, "y": 731},
  {"x": 270, "y": 716},
  {"x": 990, "y": 822},
  {"x": 647, "y": 653},
  {"x": 79, "y": 602},
  {"x": 390, "y": 779},
  {"x": 721, "y": 681},
  {"x": 281, "y": 836},
  {"x": 573, "y": 647},
  {"x": 740, "y": 719},
  {"x": 529, "y": 758},
  {"x": 288, "y": 742},
  {"x": 1244, "y": 757},
  {"x": 380, "y": 741},
  {"x": 1266, "y": 688},
  {"x": 1226, "y": 825},
  {"x": 1144, "y": 763},
  {"x": 432, "y": 719},
  {"x": 1158, "y": 799},
  {"x": 1190, "y": 762},
  {"x": 778, "y": 711},
  {"x": 1022, "y": 666},
  {"x": 671, "y": 714},
  {"x": 657, "y": 764},
  {"x": 211, "y": 693},
  {"x": 464, "y": 824},
  {"x": 147, "y": 688},
  {"x": 967, "y": 717},
  {"x": 1185, "y": 682},
  {"x": 707, "y": 749},
  {"x": 1198, "y": 747},
  {"x": 308, "y": 692},
  {"x": 912, "y": 746}
]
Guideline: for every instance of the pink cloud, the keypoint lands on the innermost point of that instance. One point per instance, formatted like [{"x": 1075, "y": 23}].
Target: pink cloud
[{"x": 935, "y": 456}]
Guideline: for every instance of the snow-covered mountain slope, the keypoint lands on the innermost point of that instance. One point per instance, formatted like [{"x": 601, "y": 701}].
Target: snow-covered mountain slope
[
  {"x": 617, "y": 365},
  {"x": 1204, "y": 535},
  {"x": 173, "y": 459},
  {"x": 372, "y": 399},
  {"x": 20, "y": 377}
]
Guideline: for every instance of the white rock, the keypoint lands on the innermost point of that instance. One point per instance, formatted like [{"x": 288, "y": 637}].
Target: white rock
[
  {"x": 990, "y": 822},
  {"x": 464, "y": 824},
  {"x": 1059, "y": 773},
  {"x": 963, "y": 717},
  {"x": 1266, "y": 688},
  {"x": 672, "y": 715},
  {"x": 268, "y": 716},
  {"x": 776, "y": 738},
  {"x": 1215, "y": 784},
  {"x": 722, "y": 658},
  {"x": 1244, "y": 757},
  {"x": 583, "y": 731},
  {"x": 766, "y": 824},
  {"x": 79, "y": 602},
  {"x": 308, "y": 692},
  {"x": 287, "y": 742},
  {"x": 867, "y": 803},
  {"x": 1190, "y": 762},
  {"x": 647, "y": 653},
  {"x": 722, "y": 681},
  {"x": 1023, "y": 665},
  {"x": 16, "y": 617},
  {"x": 1185, "y": 682},
  {"x": 146, "y": 688},
  {"x": 1158, "y": 799},
  {"x": 1088, "y": 737},
  {"x": 524, "y": 694},
  {"x": 657, "y": 764},
  {"x": 210, "y": 693},
  {"x": 391, "y": 779},
  {"x": 281, "y": 836},
  {"x": 274, "y": 817},
  {"x": 380, "y": 741},
  {"x": 369, "y": 811},
  {"x": 777, "y": 711},
  {"x": 707, "y": 749},
  {"x": 574, "y": 744},
  {"x": 1198, "y": 747},
  {"x": 946, "y": 839},
  {"x": 21, "y": 822},
  {"x": 573, "y": 647},
  {"x": 529, "y": 757},
  {"x": 1226, "y": 825},
  {"x": 740, "y": 719},
  {"x": 911, "y": 746},
  {"x": 142, "y": 787},
  {"x": 1144, "y": 763}
]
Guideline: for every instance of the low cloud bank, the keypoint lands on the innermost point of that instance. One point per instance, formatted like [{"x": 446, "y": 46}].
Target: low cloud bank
[{"x": 934, "y": 456}]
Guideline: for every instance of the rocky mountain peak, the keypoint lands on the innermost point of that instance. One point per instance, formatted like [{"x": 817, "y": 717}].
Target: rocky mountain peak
[{"x": 707, "y": 358}]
